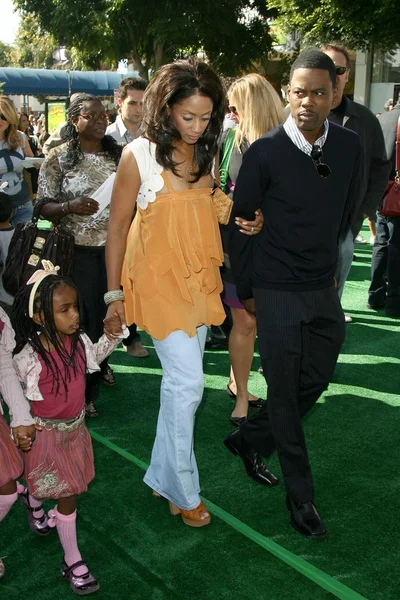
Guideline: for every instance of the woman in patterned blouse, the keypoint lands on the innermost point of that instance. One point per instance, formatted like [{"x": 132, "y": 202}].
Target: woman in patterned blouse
[{"x": 68, "y": 178}]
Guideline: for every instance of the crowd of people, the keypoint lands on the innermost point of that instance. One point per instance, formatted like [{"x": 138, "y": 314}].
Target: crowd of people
[{"x": 253, "y": 216}]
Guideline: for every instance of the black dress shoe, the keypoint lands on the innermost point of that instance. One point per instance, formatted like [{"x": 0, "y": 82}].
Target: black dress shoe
[
  {"x": 305, "y": 519},
  {"x": 253, "y": 464},
  {"x": 375, "y": 306},
  {"x": 393, "y": 314},
  {"x": 237, "y": 421},
  {"x": 259, "y": 403}
]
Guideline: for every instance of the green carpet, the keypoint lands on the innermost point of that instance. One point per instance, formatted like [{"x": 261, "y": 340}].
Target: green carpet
[{"x": 138, "y": 551}]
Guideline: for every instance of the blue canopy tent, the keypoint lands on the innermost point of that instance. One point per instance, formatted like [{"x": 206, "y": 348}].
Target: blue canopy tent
[{"x": 50, "y": 82}]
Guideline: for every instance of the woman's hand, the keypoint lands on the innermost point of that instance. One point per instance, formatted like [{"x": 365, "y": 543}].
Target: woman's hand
[
  {"x": 83, "y": 206},
  {"x": 115, "y": 321},
  {"x": 250, "y": 306},
  {"x": 251, "y": 227}
]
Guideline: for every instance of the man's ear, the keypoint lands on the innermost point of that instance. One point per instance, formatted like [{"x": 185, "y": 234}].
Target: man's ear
[
  {"x": 288, "y": 90},
  {"x": 335, "y": 92},
  {"x": 119, "y": 102}
]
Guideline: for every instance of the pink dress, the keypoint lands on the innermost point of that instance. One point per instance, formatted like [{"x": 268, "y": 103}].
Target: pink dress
[
  {"x": 11, "y": 464},
  {"x": 60, "y": 463}
]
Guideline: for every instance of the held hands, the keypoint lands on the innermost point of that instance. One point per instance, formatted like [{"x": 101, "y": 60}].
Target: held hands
[
  {"x": 24, "y": 436},
  {"x": 83, "y": 206},
  {"x": 251, "y": 227},
  {"x": 115, "y": 322}
]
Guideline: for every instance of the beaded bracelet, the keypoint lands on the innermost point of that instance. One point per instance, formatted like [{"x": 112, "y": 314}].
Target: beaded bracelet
[{"x": 113, "y": 295}]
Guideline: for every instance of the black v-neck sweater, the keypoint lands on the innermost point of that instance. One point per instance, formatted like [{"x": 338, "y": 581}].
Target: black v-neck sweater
[{"x": 304, "y": 213}]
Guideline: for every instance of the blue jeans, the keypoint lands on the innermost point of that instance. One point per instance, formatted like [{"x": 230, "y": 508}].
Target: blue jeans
[
  {"x": 173, "y": 470},
  {"x": 346, "y": 253},
  {"x": 22, "y": 213}
]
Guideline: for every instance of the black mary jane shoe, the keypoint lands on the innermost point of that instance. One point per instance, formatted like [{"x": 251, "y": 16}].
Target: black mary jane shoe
[
  {"x": 305, "y": 519},
  {"x": 237, "y": 421},
  {"x": 255, "y": 468},
  {"x": 259, "y": 403}
]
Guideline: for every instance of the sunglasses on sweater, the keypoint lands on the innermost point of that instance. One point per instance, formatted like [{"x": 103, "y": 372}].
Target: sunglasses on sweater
[{"x": 322, "y": 169}]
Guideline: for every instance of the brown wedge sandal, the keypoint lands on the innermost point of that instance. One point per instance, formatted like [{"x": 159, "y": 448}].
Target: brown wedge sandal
[{"x": 198, "y": 517}]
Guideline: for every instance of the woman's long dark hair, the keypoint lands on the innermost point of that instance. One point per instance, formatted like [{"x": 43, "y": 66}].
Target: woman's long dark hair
[
  {"x": 27, "y": 331},
  {"x": 173, "y": 83},
  {"x": 71, "y": 136}
]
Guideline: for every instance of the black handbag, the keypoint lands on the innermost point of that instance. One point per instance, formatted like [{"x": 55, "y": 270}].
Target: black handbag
[{"x": 30, "y": 245}]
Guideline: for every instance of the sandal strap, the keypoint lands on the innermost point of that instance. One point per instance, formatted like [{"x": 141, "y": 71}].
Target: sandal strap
[
  {"x": 28, "y": 504},
  {"x": 80, "y": 563}
]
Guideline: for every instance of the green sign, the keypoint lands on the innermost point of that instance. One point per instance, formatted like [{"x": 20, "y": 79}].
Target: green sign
[{"x": 56, "y": 115}]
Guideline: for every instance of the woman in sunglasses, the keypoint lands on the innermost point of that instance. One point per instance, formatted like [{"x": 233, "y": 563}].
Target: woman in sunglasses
[
  {"x": 70, "y": 175},
  {"x": 14, "y": 147},
  {"x": 257, "y": 109}
]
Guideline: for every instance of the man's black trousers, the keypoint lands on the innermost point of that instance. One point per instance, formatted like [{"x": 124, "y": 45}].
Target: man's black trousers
[
  {"x": 385, "y": 266},
  {"x": 300, "y": 335}
]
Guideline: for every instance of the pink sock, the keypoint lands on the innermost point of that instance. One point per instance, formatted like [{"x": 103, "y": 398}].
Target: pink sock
[
  {"x": 66, "y": 527},
  {"x": 6, "y": 503},
  {"x": 37, "y": 507}
]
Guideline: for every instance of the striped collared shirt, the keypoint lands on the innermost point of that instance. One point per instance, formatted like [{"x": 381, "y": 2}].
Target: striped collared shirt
[{"x": 298, "y": 138}]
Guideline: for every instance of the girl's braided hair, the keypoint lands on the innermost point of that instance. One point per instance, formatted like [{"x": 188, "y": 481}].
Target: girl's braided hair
[
  {"x": 69, "y": 134},
  {"x": 27, "y": 331}
]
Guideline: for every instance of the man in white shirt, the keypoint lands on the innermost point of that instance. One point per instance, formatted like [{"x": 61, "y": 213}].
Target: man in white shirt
[{"x": 127, "y": 126}]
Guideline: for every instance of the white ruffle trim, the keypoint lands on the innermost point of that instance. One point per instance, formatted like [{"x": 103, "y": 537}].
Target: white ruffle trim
[{"x": 150, "y": 187}]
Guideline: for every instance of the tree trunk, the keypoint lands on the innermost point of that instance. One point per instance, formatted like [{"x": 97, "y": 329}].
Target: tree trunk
[
  {"x": 136, "y": 58},
  {"x": 158, "y": 48},
  {"x": 143, "y": 71}
]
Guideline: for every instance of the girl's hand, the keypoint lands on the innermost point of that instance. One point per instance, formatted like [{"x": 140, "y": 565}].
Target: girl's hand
[
  {"x": 24, "y": 436},
  {"x": 83, "y": 206},
  {"x": 251, "y": 227},
  {"x": 115, "y": 320}
]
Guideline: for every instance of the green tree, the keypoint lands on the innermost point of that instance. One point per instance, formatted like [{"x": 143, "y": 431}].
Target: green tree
[
  {"x": 232, "y": 33},
  {"x": 356, "y": 23},
  {"x": 33, "y": 46},
  {"x": 5, "y": 55}
]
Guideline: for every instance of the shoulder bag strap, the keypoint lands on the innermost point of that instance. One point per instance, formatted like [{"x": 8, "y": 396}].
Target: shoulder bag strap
[{"x": 397, "y": 167}]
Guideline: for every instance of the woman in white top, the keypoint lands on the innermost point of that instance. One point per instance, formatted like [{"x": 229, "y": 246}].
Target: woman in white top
[
  {"x": 173, "y": 252},
  {"x": 14, "y": 147}
]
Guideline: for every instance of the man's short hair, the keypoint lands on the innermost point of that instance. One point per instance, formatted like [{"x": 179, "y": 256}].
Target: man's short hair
[
  {"x": 338, "y": 47},
  {"x": 6, "y": 207},
  {"x": 312, "y": 58},
  {"x": 131, "y": 83}
]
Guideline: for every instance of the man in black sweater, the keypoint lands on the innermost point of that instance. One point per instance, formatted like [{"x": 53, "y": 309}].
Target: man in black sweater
[{"x": 304, "y": 175}]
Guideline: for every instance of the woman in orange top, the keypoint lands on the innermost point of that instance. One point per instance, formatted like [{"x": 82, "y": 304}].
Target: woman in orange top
[{"x": 168, "y": 261}]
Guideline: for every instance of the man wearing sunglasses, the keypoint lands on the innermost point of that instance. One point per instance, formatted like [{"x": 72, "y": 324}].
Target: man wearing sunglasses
[
  {"x": 304, "y": 177},
  {"x": 374, "y": 165}
]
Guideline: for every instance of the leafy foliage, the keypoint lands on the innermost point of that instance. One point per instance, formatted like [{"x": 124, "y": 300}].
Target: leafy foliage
[
  {"x": 356, "y": 23},
  {"x": 232, "y": 33},
  {"x": 33, "y": 46},
  {"x": 5, "y": 55}
]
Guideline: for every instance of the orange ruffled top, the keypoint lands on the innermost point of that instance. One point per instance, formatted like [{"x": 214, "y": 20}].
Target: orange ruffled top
[{"x": 171, "y": 275}]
